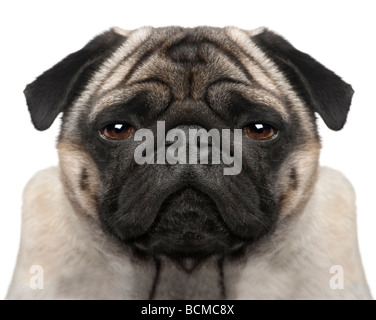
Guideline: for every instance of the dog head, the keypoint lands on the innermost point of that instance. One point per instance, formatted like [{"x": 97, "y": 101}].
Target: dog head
[{"x": 201, "y": 78}]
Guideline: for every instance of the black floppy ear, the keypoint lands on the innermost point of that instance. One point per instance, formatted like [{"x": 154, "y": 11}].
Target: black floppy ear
[
  {"x": 321, "y": 88},
  {"x": 56, "y": 89}
]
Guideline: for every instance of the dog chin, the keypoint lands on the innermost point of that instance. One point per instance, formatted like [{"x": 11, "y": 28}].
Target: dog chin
[{"x": 188, "y": 225}]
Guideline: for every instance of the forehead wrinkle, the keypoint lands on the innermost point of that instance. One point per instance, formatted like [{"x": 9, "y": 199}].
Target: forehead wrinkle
[
  {"x": 260, "y": 74},
  {"x": 157, "y": 67},
  {"x": 124, "y": 52},
  {"x": 158, "y": 93},
  {"x": 254, "y": 94},
  {"x": 216, "y": 45},
  {"x": 212, "y": 45},
  {"x": 219, "y": 65},
  {"x": 220, "y": 60},
  {"x": 156, "y": 64},
  {"x": 265, "y": 97},
  {"x": 112, "y": 97},
  {"x": 148, "y": 48},
  {"x": 120, "y": 74},
  {"x": 260, "y": 62}
]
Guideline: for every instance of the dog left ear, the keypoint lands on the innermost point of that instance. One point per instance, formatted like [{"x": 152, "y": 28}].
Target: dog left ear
[
  {"x": 321, "y": 88},
  {"x": 56, "y": 89}
]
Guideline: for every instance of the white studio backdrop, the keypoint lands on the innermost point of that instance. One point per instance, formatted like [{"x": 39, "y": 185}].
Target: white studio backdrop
[{"x": 37, "y": 34}]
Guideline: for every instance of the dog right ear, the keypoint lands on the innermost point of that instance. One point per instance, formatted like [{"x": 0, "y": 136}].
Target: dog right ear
[{"x": 56, "y": 89}]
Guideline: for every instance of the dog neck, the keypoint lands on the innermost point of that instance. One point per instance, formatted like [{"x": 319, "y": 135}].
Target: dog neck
[{"x": 163, "y": 278}]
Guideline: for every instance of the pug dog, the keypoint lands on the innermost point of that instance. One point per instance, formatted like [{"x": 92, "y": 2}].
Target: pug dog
[{"x": 107, "y": 224}]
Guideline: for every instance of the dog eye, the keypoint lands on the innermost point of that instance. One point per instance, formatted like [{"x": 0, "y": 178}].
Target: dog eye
[
  {"x": 118, "y": 131},
  {"x": 260, "y": 131}
]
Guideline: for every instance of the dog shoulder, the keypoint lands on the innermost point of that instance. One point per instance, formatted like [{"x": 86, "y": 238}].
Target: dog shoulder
[
  {"x": 43, "y": 210},
  {"x": 43, "y": 199},
  {"x": 333, "y": 221},
  {"x": 336, "y": 195},
  {"x": 55, "y": 248},
  {"x": 332, "y": 212},
  {"x": 41, "y": 186}
]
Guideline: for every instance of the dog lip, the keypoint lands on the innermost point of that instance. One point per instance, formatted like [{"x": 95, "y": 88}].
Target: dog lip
[
  {"x": 187, "y": 251},
  {"x": 182, "y": 228},
  {"x": 240, "y": 214}
]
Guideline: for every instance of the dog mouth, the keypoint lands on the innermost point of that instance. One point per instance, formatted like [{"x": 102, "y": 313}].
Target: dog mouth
[{"x": 188, "y": 225}]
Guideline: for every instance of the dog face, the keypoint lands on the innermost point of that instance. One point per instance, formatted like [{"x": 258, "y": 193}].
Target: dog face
[{"x": 203, "y": 78}]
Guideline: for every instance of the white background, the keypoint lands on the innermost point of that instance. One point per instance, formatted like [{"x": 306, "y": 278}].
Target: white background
[{"x": 37, "y": 34}]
